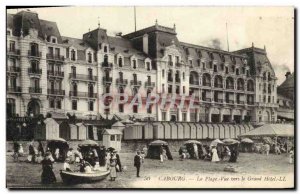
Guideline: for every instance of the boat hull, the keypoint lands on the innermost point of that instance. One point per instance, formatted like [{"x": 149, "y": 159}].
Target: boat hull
[{"x": 79, "y": 177}]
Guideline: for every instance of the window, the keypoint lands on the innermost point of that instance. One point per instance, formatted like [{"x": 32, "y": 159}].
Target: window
[
  {"x": 191, "y": 63},
  {"x": 177, "y": 59},
  {"x": 74, "y": 104},
  {"x": 170, "y": 58},
  {"x": 199, "y": 62},
  {"x": 58, "y": 104},
  {"x": 183, "y": 89},
  {"x": 118, "y": 137},
  {"x": 215, "y": 68},
  {"x": 53, "y": 40},
  {"x": 226, "y": 70},
  {"x": 163, "y": 73},
  {"x": 163, "y": 88},
  {"x": 149, "y": 109},
  {"x": 121, "y": 75},
  {"x": 12, "y": 45},
  {"x": 10, "y": 107},
  {"x": 237, "y": 72},
  {"x": 91, "y": 106},
  {"x": 135, "y": 108},
  {"x": 73, "y": 69},
  {"x": 134, "y": 64},
  {"x": 184, "y": 117},
  {"x": 148, "y": 66},
  {"x": 8, "y": 33},
  {"x": 34, "y": 49},
  {"x": 170, "y": 89},
  {"x": 120, "y": 62},
  {"x": 177, "y": 89},
  {"x": 204, "y": 66},
  {"x": 90, "y": 72},
  {"x": 51, "y": 103},
  {"x": 105, "y": 49},
  {"x": 73, "y": 55},
  {"x": 112, "y": 138},
  {"x": 121, "y": 107},
  {"x": 90, "y": 57},
  {"x": 164, "y": 116},
  {"x": 183, "y": 76}
]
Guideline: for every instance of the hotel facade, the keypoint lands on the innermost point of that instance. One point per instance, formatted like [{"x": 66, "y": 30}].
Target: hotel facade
[{"x": 50, "y": 73}]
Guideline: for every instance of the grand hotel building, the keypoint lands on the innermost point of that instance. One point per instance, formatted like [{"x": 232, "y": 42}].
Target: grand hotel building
[{"x": 50, "y": 73}]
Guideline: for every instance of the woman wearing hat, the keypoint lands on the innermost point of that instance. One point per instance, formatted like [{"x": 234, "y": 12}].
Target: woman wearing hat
[
  {"x": 215, "y": 157},
  {"x": 47, "y": 174},
  {"x": 113, "y": 170}
]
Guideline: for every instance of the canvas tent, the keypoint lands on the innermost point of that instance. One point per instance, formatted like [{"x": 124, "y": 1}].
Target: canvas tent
[
  {"x": 154, "y": 149},
  {"x": 271, "y": 130}
]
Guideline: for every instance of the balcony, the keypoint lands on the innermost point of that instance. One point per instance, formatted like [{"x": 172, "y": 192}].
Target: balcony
[
  {"x": 231, "y": 87},
  {"x": 16, "y": 89},
  {"x": 13, "y": 69},
  {"x": 34, "y": 54},
  {"x": 14, "y": 52},
  {"x": 207, "y": 99},
  {"x": 56, "y": 92},
  {"x": 230, "y": 101},
  {"x": 240, "y": 88},
  {"x": 35, "y": 90},
  {"x": 55, "y": 74},
  {"x": 123, "y": 82},
  {"x": 82, "y": 94},
  {"x": 107, "y": 80},
  {"x": 55, "y": 57},
  {"x": 241, "y": 102},
  {"x": 107, "y": 65},
  {"x": 194, "y": 82},
  {"x": 149, "y": 84},
  {"x": 218, "y": 85},
  {"x": 135, "y": 83},
  {"x": 34, "y": 71},
  {"x": 219, "y": 100},
  {"x": 82, "y": 77},
  {"x": 207, "y": 84}
]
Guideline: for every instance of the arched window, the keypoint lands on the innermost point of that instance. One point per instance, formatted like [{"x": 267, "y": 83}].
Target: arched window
[
  {"x": 206, "y": 80},
  {"x": 229, "y": 83},
  {"x": 218, "y": 81},
  {"x": 10, "y": 107},
  {"x": 148, "y": 66},
  {"x": 240, "y": 84},
  {"x": 105, "y": 59},
  {"x": 90, "y": 57},
  {"x": 34, "y": 49},
  {"x": 73, "y": 55},
  {"x": 250, "y": 85},
  {"x": 120, "y": 62}
]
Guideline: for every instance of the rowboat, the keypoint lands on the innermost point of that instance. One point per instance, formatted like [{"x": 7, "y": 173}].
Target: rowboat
[{"x": 81, "y": 177}]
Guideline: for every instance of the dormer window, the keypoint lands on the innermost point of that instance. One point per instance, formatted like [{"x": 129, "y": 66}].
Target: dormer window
[
  {"x": 8, "y": 32},
  {"x": 90, "y": 57},
  {"x": 73, "y": 55},
  {"x": 53, "y": 40},
  {"x": 120, "y": 62},
  {"x": 105, "y": 49},
  {"x": 134, "y": 64},
  {"x": 148, "y": 66}
]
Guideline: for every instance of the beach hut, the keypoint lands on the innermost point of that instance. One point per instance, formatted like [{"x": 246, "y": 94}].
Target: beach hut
[
  {"x": 73, "y": 132},
  {"x": 186, "y": 131},
  {"x": 168, "y": 129},
  {"x": 133, "y": 131},
  {"x": 64, "y": 129},
  {"x": 81, "y": 131},
  {"x": 148, "y": 130},
  {"x": 154, "y": 149},
  {"x": 119, "y": 126},
  {"x": 158, "y": 130},
  {"x": 51, "y": 129},
  {"x": 112, "y": 138},
  {"x": 174, "y": 131}
]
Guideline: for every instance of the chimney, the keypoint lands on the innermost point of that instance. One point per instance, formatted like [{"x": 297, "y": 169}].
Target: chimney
[
  {"x": 287, "y": 74},
  {"x": 145, "y": 43}
]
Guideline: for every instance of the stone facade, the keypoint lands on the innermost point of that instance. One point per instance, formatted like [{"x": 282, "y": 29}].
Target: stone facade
[{"x": 49, "y": 73}]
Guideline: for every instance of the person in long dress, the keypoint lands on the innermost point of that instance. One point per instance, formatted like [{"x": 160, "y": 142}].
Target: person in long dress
[
  {"x": 113, "y": 170},
  {"x": 102, "y": 156},
  {"x": 47, "y": 175},
  {"x": 41, "y": 149},
  {"x": 196, "y": 151},
  {"x": 161, "y": 152},
  {"x": 291, "y": 156},
  {"x": 31, "y": 155},
  {"x": 215, "y": 157}
]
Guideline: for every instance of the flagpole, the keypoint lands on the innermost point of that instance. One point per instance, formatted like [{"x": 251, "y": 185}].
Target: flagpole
[
  {"x": 227, "y": 37},
  {"x": 134, "y": 19}
]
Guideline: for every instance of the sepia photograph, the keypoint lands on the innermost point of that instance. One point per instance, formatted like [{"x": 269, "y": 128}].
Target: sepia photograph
[{"x": 150, "y": 97}]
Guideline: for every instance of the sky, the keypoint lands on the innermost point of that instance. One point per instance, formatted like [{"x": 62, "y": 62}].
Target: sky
[{"x": 272, "y": 27}]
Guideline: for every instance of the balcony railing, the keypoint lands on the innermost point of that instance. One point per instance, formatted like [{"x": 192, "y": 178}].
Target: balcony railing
[
  {"x": 13, "y": 52},
  {"x": 177, "y": 80},
  {"x": 82, "y": 77},
  {"x": 135, "y": 83},
  {"x": 149, "y": 84},
  {"x": 107, "y": 65},
  {"x": 207, "y": 99},
  {"x": 14, "y": 69},
  {"x": 240, "y": 88},
  {"x": 55, "y": 73},
  {"x": 34, "y": 71},
  {"x": 56, "y": 92},
  {"x": 230, "y": 101},
  {"x": 218, "y": 85},
  {"x": 192, "y": 82},
  {"x": 206, "y": 84},
  {"x": 14, "y": 89},
  {"x": 107, "y": 80},
  {"x": 121, "y": 81},
  {"x": 82, "y": 94},
  {"x": 218, "y": 100},
  {"x": 35, "y": 90},
  {"x": 55, "y": 57},
  {"x": 229, "y": 87},
  {"x": 240, "y": 102},
  {"x": 34, "y": 54}
]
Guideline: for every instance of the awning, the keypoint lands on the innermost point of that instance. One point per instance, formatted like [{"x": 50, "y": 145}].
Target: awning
[
  {"x": 282, "y": 130},
  {"x": 285, "y": 115}
]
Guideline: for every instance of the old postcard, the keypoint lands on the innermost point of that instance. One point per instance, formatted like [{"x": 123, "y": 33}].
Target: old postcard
[{"x": 150, "y": 97}]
